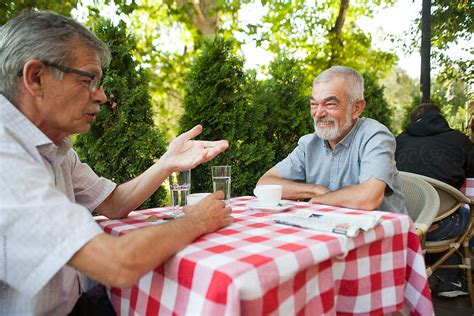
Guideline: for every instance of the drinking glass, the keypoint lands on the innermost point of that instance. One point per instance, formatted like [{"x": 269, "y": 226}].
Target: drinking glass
[
  {"x": 180, "y": 187},
  {"x": 221, "y": 178}
]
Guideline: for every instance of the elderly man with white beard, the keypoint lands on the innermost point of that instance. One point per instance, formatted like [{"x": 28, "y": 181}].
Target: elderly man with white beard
[{"x": 349, "y": 160}]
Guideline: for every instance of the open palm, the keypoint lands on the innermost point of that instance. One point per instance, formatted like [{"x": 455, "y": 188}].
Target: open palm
[{"x": 186, "y": 153}]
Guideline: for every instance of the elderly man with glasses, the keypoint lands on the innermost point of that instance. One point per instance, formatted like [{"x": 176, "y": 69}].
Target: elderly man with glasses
[{"x": 50, "y": 88}]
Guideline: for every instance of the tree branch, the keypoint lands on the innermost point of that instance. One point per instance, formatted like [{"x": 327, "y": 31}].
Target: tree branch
[{"x": 341, "y": 18}]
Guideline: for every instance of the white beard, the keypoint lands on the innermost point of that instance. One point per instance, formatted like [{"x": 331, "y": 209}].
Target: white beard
[{"x": 332, "y": 132}]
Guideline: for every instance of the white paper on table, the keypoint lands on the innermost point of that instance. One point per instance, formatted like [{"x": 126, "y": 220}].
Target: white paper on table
[{"x": 346, "y": 224}]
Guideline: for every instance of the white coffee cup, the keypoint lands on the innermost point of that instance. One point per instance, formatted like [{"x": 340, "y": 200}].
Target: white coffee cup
[
  {"x": 194, "y": 198},
  {"x": 268, "y": 194}
]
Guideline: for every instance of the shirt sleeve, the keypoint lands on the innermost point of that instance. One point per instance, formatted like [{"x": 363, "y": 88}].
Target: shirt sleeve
[
  {"x": 378, "y": 158},
  {"x": 89, "y": 189},
  {"x": 293, "y": 167},
  {"x": 41, "y": 228}
]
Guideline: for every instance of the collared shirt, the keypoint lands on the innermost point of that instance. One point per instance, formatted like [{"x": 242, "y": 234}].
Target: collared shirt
[
  {"x": 46, "y": 196},
  {"x": 366, "y": 151}
]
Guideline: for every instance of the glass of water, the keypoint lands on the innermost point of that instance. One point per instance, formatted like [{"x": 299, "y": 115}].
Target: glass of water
[
  {"x": 180, "y": 187},
  {"x": 221, "y": 176}
]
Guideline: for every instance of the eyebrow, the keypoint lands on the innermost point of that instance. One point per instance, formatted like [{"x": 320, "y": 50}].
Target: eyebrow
[
  {"x": 331, "y": 98},
  {"x": 327, "y": 99}
]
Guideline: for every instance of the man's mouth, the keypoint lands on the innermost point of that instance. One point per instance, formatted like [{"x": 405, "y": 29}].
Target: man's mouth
[
  {"x": 92, "y": 115},
  {"x": 324, "y": 123}
]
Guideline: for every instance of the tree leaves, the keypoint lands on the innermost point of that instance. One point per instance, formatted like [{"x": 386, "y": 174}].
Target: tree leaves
[{"x": 123, "y": 142}]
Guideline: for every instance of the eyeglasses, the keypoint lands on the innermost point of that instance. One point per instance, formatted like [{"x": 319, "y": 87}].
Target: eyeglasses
[{"x": 95, "y": 84}]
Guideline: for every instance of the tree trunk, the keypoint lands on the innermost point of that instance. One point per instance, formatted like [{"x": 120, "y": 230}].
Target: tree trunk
[
  {"x": 335, "y": 32},
  {"x": 425, "y": 52},
  {"x": 341, "y": 18},
  {"x": 206, "y": 16}
]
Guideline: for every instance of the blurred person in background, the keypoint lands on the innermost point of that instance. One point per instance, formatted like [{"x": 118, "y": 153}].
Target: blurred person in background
[{"x": 431, "y": 148}]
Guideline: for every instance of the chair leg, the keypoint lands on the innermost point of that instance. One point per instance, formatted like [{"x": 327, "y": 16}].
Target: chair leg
[
  {"x": 467, "y": 263},
  {"x": 440, "y": 261}
]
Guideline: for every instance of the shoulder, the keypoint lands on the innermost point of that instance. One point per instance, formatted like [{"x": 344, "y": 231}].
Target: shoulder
[
  {"x": 9, "y": 143},
  {"x": 369, "y": 124},
  {"x": 370, "y": 128},
  {"x": 460, "y": 136},
  {"x": 309, "y": 140}
]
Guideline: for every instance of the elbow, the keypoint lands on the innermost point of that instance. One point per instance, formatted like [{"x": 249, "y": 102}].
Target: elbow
[
  {"x": 124, "y": 271},
  {"x": 266, "y": 179},
  {"x": 371, "y": 204},
  {"x": 125, "y": 278},
  {"x": 261, "y": 181}
]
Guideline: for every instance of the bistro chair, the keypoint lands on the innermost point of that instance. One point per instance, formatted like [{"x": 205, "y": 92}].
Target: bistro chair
[
  {"x": 421, "y": 200},
  {"x": 450, "y": 200}
]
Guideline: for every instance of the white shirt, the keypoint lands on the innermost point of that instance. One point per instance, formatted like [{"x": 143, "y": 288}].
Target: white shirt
[{"x": 46, "y": 196}]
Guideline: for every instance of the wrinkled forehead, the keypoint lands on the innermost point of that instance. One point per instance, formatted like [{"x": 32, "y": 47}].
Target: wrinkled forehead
[
  {"x": 83, "y": 54},
  {"x": 335, "y": 88}
]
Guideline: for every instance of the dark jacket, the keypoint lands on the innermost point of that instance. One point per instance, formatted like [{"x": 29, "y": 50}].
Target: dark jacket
[{"x": 430, "y": 147}]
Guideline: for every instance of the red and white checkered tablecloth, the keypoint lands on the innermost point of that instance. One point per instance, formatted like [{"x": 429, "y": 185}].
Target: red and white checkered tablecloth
[
  {"x": 256, "y": 267},
  {"x": 468, "y": 188}
]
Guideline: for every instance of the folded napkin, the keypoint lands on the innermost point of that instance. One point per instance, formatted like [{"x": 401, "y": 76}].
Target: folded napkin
[{"x": 346, "y": 224}]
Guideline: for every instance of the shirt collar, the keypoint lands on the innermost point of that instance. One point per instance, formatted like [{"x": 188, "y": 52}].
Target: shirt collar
[{"x": 346, "y": 141}]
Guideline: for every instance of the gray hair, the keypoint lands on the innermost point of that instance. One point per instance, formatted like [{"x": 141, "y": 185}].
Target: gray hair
[
  {"x": 353, "y": 79},
  {"x": 45, "y": 36}
]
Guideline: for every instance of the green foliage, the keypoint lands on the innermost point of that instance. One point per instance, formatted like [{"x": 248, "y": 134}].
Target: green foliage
[
  {"x": 451, "y": 98},
  {"x": 400, "y": 90},
  {"x": 452, "y": 22},
  {"x": 174, "y": 30},
  {"x": 217, "y": 95},
  {"x": 285, "y": 95},
  {"x": 306, "y": 29},
  {"x": 169, "y": 34},
  {"x": 376, "y": 104},
  {"x": 123, "y": 142},
  {"x": 10, "y": 9}
]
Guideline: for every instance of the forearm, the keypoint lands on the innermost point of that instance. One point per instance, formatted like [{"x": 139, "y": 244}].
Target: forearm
[
  {"x": 121, "y": 261},
  {"x": 361, "y": 196},
  {"x": 294, "y": 190},
  {"x": 128, "y": 196}
]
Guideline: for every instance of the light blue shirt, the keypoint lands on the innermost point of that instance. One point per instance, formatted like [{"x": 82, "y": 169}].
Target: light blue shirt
[{"x": 368, "y": 150}]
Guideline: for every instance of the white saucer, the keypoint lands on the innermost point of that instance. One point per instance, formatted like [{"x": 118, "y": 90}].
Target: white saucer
[{"x": 255, "y": 205}]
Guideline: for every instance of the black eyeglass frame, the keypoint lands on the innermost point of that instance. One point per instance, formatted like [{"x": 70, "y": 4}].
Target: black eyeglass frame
[{"x": 95, "y": 84}]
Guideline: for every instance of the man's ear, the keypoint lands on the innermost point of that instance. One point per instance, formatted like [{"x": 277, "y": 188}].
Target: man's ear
[
  {"x": 358, "y": 107},
  {"x": 33, "y": 77}
]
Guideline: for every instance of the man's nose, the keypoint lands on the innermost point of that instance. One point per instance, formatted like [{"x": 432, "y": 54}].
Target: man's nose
[
  {"x": 319, "y": 111},
  {"x": 99, "y": 95}
]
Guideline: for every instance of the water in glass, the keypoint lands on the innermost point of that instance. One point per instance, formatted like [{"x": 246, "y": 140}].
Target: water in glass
[
  {"x": 222, "y": 184},
  {"x": 179, "y": 194}
]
